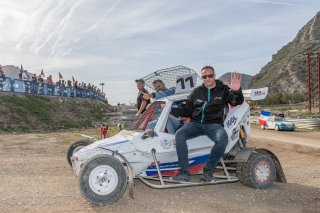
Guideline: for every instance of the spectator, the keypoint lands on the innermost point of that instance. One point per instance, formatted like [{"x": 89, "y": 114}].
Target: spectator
[
  {"x": 20, "y": 74},
  {"x": 49, "y": 79},
  {"x": 104, "y": 130},
  {"x": 34, "y": 78},
  {"x": 40, "y": 79},
  {"x": 281, "y": 114},
  {"x": 69, "y": 83}
]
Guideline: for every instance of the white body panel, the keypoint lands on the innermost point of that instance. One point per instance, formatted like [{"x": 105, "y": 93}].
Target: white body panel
[{"x": 138, "y": 151}]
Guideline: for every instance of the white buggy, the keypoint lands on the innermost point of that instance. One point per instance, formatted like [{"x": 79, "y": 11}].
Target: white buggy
[{"x": 107, "y": 167}]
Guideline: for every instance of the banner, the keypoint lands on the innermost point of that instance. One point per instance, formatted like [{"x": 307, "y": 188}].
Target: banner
[
  {"x": 5, "y": 84},
  {"x": 40, "y": 88},
  {"x": 18, "y": 86}
]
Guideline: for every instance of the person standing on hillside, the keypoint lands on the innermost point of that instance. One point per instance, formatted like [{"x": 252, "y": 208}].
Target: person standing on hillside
[{"x": 141, "y": 102}]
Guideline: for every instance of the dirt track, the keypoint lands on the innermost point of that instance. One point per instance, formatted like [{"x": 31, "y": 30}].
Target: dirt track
[{"x": 35, "y": 177}]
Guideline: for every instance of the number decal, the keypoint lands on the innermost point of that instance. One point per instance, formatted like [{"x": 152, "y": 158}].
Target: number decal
[
  {"x": 181, "y": 80},
  {"x": 191, "y": 81},
  {"x": 185, "y": 83}
]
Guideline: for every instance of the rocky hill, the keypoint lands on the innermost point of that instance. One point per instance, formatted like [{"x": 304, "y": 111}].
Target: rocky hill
[
  {"x": 32, "y": 113},
  {"x": 246, "y": 79},
  {"x": 286, "y": 72}
]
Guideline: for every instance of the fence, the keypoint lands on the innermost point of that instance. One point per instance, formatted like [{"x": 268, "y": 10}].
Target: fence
[
  {"x": 299, "y": 123},
  {"x": 38, "y": 88}
]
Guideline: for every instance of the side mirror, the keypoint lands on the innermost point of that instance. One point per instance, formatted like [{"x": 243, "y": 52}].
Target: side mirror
[{"x": 150, "y": 133}]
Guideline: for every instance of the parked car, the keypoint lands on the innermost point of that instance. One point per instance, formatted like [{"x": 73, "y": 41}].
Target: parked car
[{"x": 278, "y": 123}]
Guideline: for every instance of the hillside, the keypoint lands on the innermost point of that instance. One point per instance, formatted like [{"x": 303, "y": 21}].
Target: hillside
[
  {"x": 31, "y": 113},
  {"x": 244, "y": 81},
  {"x": 286, "y": 72}
]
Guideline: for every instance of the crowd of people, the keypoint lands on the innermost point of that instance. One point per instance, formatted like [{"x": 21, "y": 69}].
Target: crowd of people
[{"x": 24, "y": 75}]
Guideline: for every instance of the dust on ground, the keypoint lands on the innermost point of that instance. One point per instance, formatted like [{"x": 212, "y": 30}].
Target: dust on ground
[{"x": 35, "y": 177}]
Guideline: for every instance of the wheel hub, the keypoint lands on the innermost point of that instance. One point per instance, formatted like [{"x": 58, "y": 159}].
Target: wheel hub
[
  {"x": 262, "y": 172},
  {"x": 103, "y": 180}
]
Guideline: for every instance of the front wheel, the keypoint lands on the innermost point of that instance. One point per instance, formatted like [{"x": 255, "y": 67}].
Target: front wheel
[
  {"x": 276, "y": 128},
  {"x": 103, "y": 180},
  {"x": 263, "y": 127},
  {"x": 258, "y": 172},
  {"x": 76, "y": 146}
]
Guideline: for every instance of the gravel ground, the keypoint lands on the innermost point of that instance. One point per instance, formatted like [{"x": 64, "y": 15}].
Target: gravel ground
[{"x": 35, "y": 177}]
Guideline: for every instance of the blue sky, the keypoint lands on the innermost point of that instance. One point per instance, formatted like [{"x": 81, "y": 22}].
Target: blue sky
[{"x": 117, "y": 41}]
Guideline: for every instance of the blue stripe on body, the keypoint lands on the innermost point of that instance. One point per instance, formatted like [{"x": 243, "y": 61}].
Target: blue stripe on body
[{"x": 152, "y": 170}]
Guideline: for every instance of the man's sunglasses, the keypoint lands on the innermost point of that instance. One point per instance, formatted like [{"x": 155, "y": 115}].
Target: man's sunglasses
[{"x": 207, "y": 76}]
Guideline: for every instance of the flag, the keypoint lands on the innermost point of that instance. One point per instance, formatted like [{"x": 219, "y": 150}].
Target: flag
[
  {"x": 264, "y": 116},
  {"x": 60, "y": 76},
  {"x": 42, "y": 73},
  {"x": 73, "y": 79}
]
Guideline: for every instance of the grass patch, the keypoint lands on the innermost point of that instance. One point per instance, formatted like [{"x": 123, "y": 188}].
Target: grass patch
[
  {"x": 21, "y": 107},
  {"x": 75, "y": 136}
]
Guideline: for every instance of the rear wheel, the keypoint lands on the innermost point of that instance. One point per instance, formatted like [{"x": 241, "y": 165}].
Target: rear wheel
[
  {"x": 103, "y": 180},
  {"x": 76, "y": 146},
  {"x": 258, "y": 172}
]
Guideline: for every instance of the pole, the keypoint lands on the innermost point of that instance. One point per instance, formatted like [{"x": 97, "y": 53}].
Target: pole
[
  {"x": 319, "y": 83},
  {"x": 308, "y": 86},
  {"x": 102, "y": 84}
]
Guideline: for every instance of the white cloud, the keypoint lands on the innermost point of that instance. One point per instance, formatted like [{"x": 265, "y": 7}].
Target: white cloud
[{"x": 115, "y": 41}]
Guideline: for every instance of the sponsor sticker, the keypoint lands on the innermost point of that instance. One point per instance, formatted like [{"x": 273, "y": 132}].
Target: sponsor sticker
[
  {"x": 232, "y": 121},
  {"x": 235, "y": 133},
  {"x": 166, "y": 144},
  {"x": 259, "y": 93}
]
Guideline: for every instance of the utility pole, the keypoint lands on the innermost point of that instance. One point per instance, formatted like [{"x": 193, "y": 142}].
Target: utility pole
[
  {"x": 319, "y": 83},
  {"x": 308, "y": 86}
]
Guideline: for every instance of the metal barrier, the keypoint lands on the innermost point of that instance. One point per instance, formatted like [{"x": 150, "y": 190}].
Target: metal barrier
[
  {"x": 39, "y": 88},
  {"x": 299, "y": 123}
]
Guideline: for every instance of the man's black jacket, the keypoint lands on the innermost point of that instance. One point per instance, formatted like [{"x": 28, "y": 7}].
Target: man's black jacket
[{"x": 207, "y": 105}]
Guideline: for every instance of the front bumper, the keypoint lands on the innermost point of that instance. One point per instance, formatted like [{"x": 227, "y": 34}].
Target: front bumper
[{"x": 286, "y": 128}]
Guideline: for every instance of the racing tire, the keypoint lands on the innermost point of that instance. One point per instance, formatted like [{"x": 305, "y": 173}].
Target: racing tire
[
  {"x": 276, "y": 128},
  {"x": 76, "y": 146},
  {"x": 258, "y": 172},
  {"x": 102, "y": 180}
]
